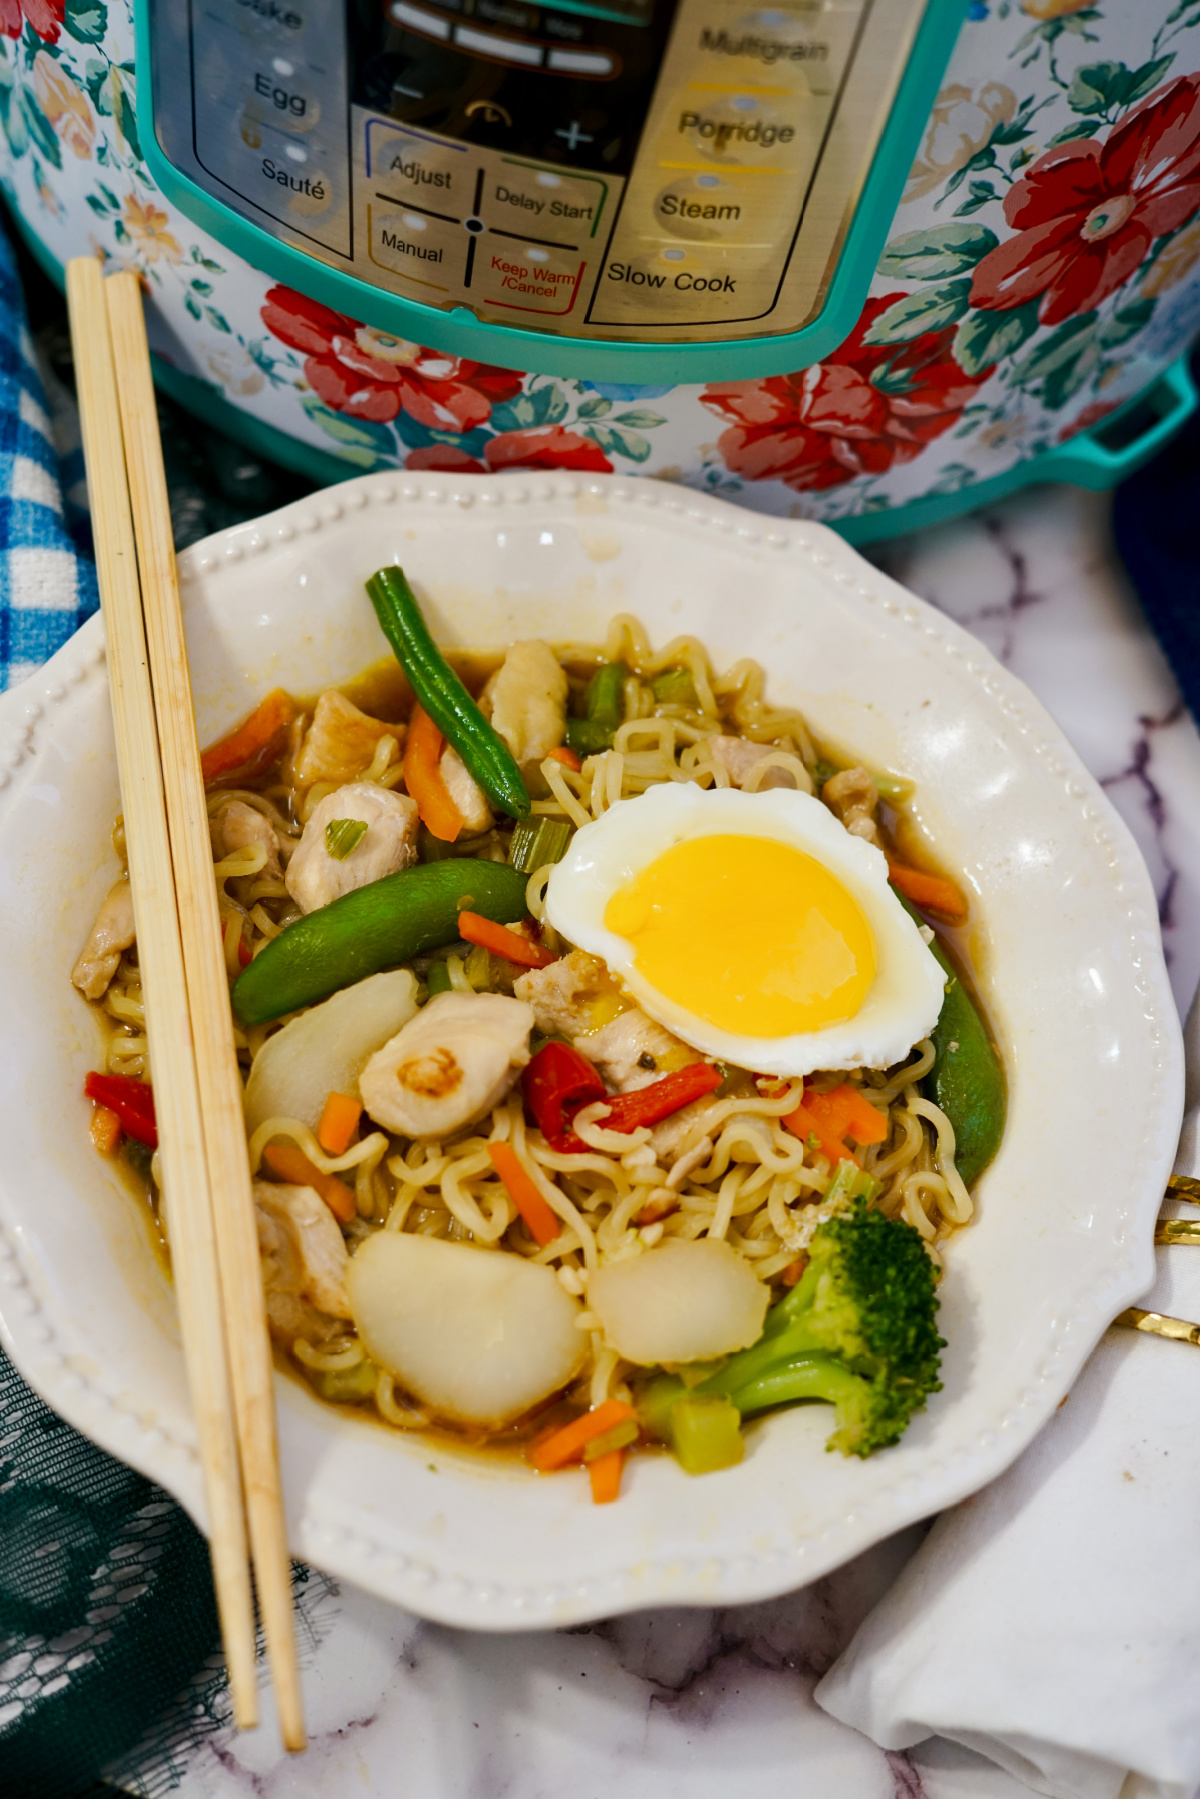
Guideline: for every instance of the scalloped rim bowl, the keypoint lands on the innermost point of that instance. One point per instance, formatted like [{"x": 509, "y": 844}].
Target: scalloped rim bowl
[{"x": 1072, "y": 969}]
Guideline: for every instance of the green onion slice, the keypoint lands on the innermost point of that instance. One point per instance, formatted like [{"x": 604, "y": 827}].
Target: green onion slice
[{"x": 343, "y": 835}]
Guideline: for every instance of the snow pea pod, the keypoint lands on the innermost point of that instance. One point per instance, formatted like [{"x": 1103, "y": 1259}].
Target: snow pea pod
[
  {"x": 442, "y": 694},
  {"x": 375, "y": 927},
  {"x": 967, "y": 1077}
]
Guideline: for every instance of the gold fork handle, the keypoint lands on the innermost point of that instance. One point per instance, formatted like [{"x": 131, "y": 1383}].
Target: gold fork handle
[
  {"x": 1159, "y": 1325},
  {"x": 1178, "y": 1230}
]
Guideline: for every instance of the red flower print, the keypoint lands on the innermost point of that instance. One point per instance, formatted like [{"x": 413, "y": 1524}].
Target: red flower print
[
  {"x": 1091, "y": 415},
  {"x": 369, "y": 375},
  {"x": 1086, "y": 213},
  {"x": 865, "y": 408},
  {"x": 45, "y": 17},
  {"x": 546, "y": 446}
]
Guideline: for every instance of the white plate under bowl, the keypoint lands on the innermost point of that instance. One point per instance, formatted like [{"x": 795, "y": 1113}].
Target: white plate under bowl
[{"x": 1072, "y": 972}]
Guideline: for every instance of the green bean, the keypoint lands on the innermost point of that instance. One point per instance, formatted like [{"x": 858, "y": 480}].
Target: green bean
[
  {"x": 375, "y": 927},
  {"x": 438, "y": 979},
  {"x": 588, "y": 736},
  {"x": 443, "y": 696}
]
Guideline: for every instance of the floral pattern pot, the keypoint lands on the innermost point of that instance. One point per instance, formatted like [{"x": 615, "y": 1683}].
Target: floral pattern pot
[{"x": 1042, "y": 269}]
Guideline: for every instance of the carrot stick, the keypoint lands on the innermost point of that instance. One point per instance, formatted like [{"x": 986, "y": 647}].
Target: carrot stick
[
  {"x": 928, "y": 890},
  {"x": 544, "y": 1226},
  {"x": 422, "y": 752},
  {"x": 339, "y": 1121},
  {"x": 105, "y": 1129},
  {"x": 503, "y": 942},
  {"x": 567, "y": 757},
  {"x": 563, "y": 1446},
  {"x": 864, "y": 1122},
  {"x": 252, "y": 746},
  {"x": 605, "y": 1475},
  {"x": 293, "y": 1165},
  {"x": 804, "y": 1123}
]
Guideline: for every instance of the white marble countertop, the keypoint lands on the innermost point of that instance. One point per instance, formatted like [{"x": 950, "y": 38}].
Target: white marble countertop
[{"x": 701, "y": 1704}]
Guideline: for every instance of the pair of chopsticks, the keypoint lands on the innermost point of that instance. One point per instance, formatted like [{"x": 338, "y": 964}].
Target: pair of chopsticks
[{"x": 197, "y": 1087}]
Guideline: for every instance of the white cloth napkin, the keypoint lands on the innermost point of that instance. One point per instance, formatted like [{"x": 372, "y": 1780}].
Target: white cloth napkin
[{"x": 1052, "y": 1622}]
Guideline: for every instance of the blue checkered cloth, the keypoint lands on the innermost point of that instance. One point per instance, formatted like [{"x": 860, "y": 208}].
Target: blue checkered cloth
[{"x": 47, "y": 587}]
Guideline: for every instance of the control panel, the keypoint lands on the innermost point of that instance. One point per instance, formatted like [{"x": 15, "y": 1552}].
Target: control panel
[{"x": 637, "y": 170}]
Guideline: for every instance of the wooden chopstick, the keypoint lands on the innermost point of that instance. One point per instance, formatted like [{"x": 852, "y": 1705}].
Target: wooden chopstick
[
  {"x": 219, "y": 1082},
  {"x": 160, "y": 956}
]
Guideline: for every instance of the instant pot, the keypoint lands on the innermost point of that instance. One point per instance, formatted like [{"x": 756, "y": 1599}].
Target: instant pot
[{"x": 867, "y": 261}]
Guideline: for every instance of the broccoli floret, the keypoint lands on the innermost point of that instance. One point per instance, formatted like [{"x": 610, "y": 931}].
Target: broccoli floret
[{"x": 858, "y": 1331}]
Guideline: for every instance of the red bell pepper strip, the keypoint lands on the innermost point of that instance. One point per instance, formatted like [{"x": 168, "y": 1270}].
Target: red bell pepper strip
[
  {"x": 650, "y": 1105},
  {"x": 557, "y": 1088},
  {"x": 556, "y": 1083},
  {"x": 132, "y": 1101}
]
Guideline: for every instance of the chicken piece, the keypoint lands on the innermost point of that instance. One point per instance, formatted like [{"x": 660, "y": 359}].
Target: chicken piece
[
  {"x": 110, "y": 936},
  {"x": 304, "y": 1262},
  {"x": 853, "y": 796},
  {"x": 739, "y": 758},
  {"x": 460, "y": 784},
  {"x": 341, "y": 741},
  {"x": 526, "y": 700},
  {"x": 632, "y": 1050},
  {"x": 685, "y": 1128},
  {"x": 576, "y": 997},
  {"x": 573, "y": 995},
  {"x": 314, "y": 877},
  {"x": 449, "y": 1065},
  {"x": 237, "y": 826}
]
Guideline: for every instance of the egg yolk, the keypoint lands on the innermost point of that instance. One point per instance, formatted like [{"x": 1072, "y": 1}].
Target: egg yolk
[{"x": 749, "y": 934}]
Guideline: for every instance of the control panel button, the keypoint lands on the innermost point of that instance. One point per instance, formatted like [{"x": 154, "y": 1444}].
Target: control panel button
[
  {"x": 743, "y": 127},
  {"x": 503, "y": 49},
  {"x": 706, "y": 207},
  {"x": 526, "y": 277},
  {"x": 425, "y": 251},
  {"x": 804, "y": 48},
  {"x": 282, "y": 100},
  {"x": 275, "y": 21},
  {"x": 437, "y": 176},
  {"x": 519, "y": 197},
  {"x": 674, "y": 286}
]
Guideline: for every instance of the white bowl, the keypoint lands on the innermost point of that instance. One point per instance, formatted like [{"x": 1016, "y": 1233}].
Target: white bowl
[{"x": 1072, "y": 970}]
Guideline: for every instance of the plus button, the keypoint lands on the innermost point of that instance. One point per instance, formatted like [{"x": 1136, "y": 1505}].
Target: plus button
[{"x": 573, "y": 136}]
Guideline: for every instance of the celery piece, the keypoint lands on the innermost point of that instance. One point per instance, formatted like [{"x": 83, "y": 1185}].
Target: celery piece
[
  {"x": 438, "y": 979},
  {"x": 619, "y": 1437},
  {"x": 706, "y": 1433},
  {"x": 478, "y": 967},
  {"x": 842, "y": 1186},
  {"x": 536, "y": 842},
  {"x": 343, "y": 835},
  {"x": 674, "y": 687},
  {"x": 346, "y": 1385}
]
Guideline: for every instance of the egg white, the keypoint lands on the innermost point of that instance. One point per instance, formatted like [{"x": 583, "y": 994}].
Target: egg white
[{"x": 901, "y": 1005}]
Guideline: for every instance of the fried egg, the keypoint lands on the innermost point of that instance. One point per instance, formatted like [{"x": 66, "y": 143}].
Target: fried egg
[{"x": 753, "y": 925}]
